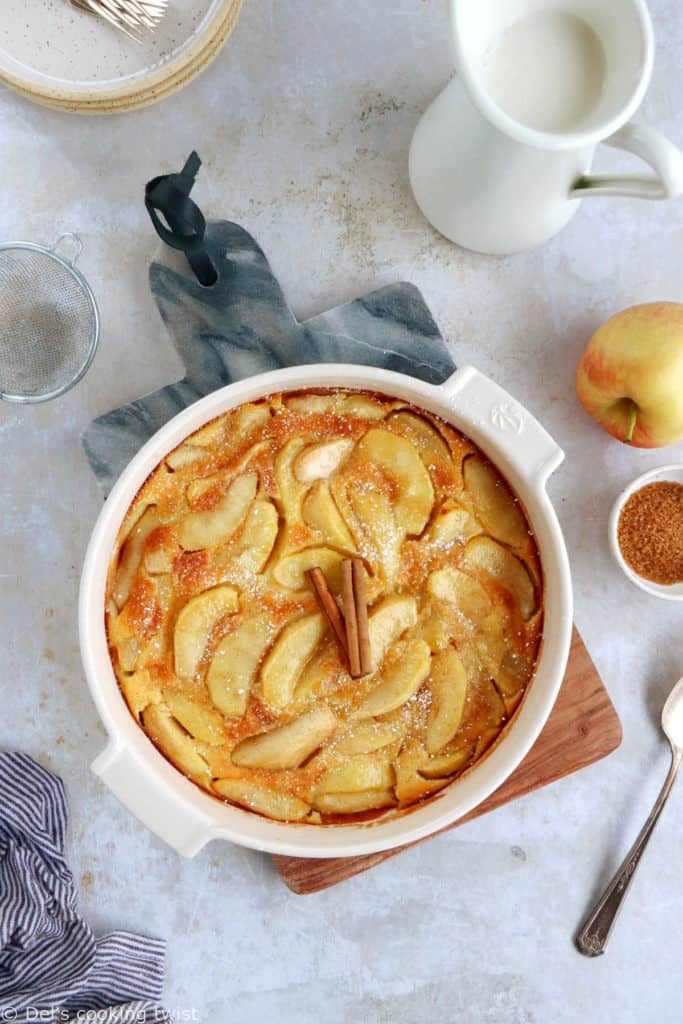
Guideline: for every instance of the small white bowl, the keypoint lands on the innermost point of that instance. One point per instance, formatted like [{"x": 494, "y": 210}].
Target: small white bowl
[{"x": 673, "y": 474}]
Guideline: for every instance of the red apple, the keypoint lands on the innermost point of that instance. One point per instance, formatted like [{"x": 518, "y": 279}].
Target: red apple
[{"x": 630, "y": 378}]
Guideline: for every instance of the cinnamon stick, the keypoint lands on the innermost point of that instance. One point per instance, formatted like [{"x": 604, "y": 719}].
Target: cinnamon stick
[
  {"x": 350, "y": 617},
  {"x": 328, "y": 606},
  {"x": 361, "y": 603}
]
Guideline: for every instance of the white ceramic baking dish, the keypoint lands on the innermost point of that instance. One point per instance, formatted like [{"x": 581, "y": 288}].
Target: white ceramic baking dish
[{"x": 181, "y": 813}]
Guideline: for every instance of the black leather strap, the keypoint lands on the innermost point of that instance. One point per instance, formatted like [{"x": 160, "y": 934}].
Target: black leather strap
[{"x": 168, "y": 196}]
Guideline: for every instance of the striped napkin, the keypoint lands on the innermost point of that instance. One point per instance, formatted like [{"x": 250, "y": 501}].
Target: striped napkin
[{"x": 50, "y": 961}]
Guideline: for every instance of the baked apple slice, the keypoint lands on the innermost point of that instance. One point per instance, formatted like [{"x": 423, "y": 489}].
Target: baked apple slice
[
  {"x": 185, "y": 455},
  {"x": 290, "y": 490},
  {"x": 289, "y": 745},
  {"x": 140, "y": 689},
  {"x": 161, "y": 551},
  {"x": 197, "y": 445},
  {"x": 198, "y": 488},
  {"x": 440, "y": 766},
  {"x": 291, "y": 570},
  {"x": 235, "y": 663},
  {"x": 257, "y": 539},
  {"x": 323, "y": 669},
  {"x": 497, "y": 507},
  {"x": 366, "y": 771},
  {"x": 364, "y": 737},
  {"x": 452, "y": 523},
  {"x": 269, "y": 802},
  {"x": 483, "y": 554},
  {"x": 211, "y": 433},
  {"x": 484, "y": 714},
  {"x": 486, "y": 740},
  {"x": 435, "y": 631},
  {"x": 337, "y": 404},
  {"x": 376, "y": 523},
  {"x": 411, "y": 784},
  {"x": 320, "y": 513},
  {"x": 231, "y": 432},
  {"x": 399, "y": 459},
  {"x": 430, "y": 444},
  {"x": 448, "y": 686},
  {"x": 174, "y": 742},
  {"x": 248, "y": 419},
  {"x": 388, "y": 622},
  {"x": 135, "y": 629},
  {"x": 195, "y": 624},
  {"x": 203, "y": 723},
  {"x": 354, "y": 803},
  {"x": 400, "y": 683},
  {"x": 238, "y": 427},
  {"x": 456, "y": 587},
  {"x": 208, "y": 528},
  {"x": 131, "y": 554},
  {"x": 318, "y": 461},
  {"x": 512, "y": 673},
  {"x": 293, "y": 648}
]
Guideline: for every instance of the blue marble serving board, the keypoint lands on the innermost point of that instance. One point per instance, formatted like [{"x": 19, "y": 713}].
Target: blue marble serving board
[{"x": 242, "y": 326}]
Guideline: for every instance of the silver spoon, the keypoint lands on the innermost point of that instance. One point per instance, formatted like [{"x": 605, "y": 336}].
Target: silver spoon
[{"x": 596, "y": 930}]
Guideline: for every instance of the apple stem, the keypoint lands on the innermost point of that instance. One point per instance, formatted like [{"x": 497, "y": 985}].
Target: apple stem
[{"x": 633, "y": 413}]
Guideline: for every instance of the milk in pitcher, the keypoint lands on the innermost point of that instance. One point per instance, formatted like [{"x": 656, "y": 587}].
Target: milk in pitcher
[{"x": 547, "y": 70}]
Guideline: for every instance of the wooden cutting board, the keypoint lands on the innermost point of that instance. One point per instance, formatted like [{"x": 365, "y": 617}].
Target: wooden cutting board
[{"x": 583, "y": 727}]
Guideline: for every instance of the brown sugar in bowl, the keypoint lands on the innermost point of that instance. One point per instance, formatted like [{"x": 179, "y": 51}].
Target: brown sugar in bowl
[{"x": 646, "y": 532}]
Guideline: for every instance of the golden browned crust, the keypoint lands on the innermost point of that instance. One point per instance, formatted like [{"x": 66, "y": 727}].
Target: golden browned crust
[{"x": 221, "y": 651}]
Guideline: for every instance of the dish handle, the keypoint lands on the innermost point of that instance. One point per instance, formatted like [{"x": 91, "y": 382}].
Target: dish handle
[
  {"x": 502, "y": 421},
  {"x": 184, "y": 828}
]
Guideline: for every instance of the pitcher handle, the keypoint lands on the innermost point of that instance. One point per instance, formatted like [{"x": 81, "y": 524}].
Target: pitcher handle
[{"x": 660, "y": 153}]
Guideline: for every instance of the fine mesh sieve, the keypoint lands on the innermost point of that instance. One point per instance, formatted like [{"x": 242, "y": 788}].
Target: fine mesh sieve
[{"x": 49, "y": 324}]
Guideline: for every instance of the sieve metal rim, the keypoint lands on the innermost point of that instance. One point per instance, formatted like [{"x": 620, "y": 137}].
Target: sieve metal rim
[{"x": 70, "y": 266}]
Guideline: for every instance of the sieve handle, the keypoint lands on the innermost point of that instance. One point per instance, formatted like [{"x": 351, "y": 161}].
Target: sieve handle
[{"x": 68, "y": 247}]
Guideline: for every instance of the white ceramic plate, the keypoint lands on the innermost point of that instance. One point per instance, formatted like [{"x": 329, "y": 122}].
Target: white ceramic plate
[
  {"x": 674, "y": 474},
  {"x": 51, "y": 50}
]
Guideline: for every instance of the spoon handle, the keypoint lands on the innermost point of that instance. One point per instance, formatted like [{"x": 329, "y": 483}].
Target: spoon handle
[{"x": 595, "y": 931}]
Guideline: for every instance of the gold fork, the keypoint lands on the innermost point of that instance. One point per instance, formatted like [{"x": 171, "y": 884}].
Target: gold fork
[{"x": 132, "y": 17}]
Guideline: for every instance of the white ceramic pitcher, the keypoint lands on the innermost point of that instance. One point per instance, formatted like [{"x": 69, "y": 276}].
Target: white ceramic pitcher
[{"x": 499, "y": 164}]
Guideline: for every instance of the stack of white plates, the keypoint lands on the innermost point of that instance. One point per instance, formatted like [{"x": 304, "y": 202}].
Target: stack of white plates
[{"x": 62, "y": 58}]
